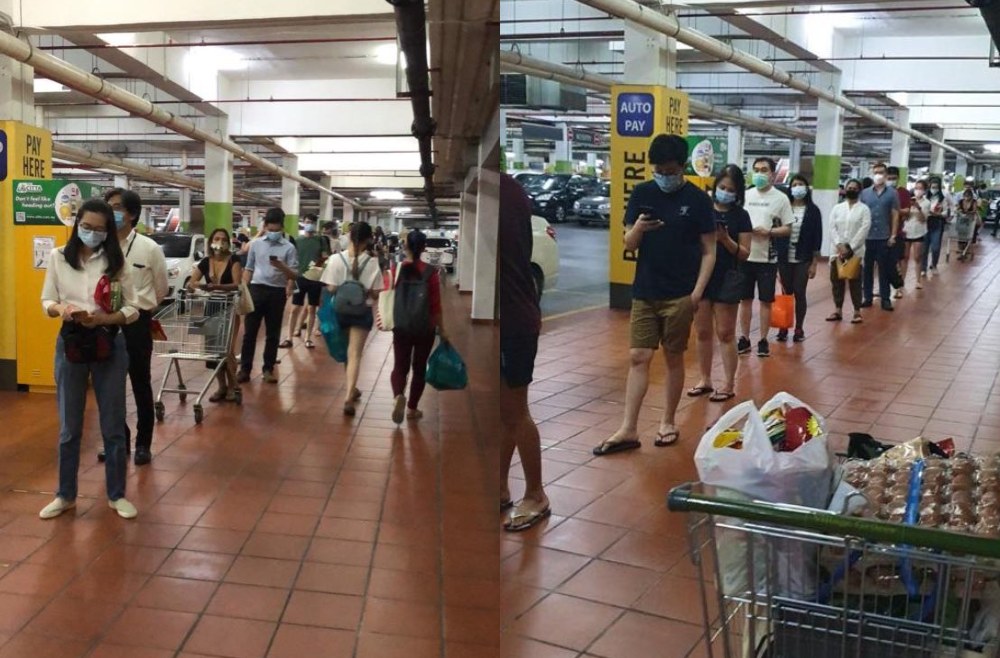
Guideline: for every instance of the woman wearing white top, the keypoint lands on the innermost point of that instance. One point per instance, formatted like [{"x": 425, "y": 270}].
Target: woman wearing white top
[
  {"x": 74, "y": 272},
  {"x": 356, "y": 265},
  {"x": 915, "y": 230},
  {"x": 850, "y": 222}
]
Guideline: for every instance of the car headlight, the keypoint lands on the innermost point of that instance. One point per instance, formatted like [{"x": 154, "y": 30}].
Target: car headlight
[
  {"x": 576, "y": 205},
  {"x": 604, "y": 206},
  {"x": 173, "y": 272},
  {"x": 543, "y": 197}
]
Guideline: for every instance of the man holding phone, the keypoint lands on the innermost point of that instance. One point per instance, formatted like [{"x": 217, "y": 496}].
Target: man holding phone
[
  {"x": 271, "y": 271},
  {"x": 673, "y": 231}
]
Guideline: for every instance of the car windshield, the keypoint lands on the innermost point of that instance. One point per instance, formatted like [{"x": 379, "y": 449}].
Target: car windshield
[
  {"x": 605, "y": 190},
  {"x": 554, "y": 184},
  {"x": 438, "y": 243},
  {"x": 173, "y": 245}
]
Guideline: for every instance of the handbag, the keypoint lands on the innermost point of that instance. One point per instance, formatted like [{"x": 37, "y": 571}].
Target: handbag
[
  {"x": 849, "y": 269},
  {"x": 87, "y": 344},
  {"x": 731, "y": 290},
  {"x": 333, "y": 335},
  {"x": 244, "y": 305},
  {"x": 386, "y": 304},
  {"x": 445, "y": 369}
]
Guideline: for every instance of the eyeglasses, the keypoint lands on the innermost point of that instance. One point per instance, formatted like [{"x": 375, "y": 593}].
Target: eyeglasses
[{"x": 90, "y": 227}]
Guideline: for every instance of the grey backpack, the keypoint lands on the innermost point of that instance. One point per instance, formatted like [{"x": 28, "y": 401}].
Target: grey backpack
[
  {"x": 350, "y": 301},
  {"x": 411, "y": 308}
]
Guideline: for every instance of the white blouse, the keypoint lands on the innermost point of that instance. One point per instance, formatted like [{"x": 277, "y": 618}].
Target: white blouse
[
  {"x": 64, "y": 285},
  {"x": 850, "y": 225}
]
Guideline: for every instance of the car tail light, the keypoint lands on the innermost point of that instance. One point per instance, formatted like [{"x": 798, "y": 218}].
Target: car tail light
[{"x": 551, "y": 232}]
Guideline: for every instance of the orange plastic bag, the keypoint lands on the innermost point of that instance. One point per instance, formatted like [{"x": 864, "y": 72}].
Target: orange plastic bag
[{"x": 783, "y": 312}]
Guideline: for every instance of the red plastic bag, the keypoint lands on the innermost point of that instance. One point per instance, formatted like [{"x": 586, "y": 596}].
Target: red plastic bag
[
  {"x": 102, "y": 294},
  {"x": 783, "y": 312}
]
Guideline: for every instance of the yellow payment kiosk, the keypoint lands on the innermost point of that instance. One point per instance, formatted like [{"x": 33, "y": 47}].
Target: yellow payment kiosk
[{"x": 639, "y": 113}]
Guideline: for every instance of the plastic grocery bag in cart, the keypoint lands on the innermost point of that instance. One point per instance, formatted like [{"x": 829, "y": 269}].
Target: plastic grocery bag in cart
[
  {"x": 336, "y": 339},
  {"x": 445, "y": 369}
]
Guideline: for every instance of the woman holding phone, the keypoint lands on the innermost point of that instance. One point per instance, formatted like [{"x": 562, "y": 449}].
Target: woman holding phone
[
  {"x": 940, "y": 211},
  {"x": 716, "y": 314},
  {"x": 915, "y": 230},
  {"x": 91, "y": 348}
]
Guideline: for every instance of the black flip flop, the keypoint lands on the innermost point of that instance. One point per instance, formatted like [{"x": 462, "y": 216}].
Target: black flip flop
[
  {"x": 611, "y": 447},
  {"x": 721, "y": 397},
  {"x": 663, "y": 440},
  {"x": 506, "y": 504},
  {"x": 698, "y": 391}
]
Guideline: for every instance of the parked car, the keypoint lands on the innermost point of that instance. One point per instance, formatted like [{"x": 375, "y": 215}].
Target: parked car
[
  {"x": 525, "y": 178},
  {"x": 595, "y": 209},
  {"x": 440, "y": 252},
  {"x": 544, "y": 255},
  {"x": 554, "y": 198},
  {"x": 183, "y": 251}
]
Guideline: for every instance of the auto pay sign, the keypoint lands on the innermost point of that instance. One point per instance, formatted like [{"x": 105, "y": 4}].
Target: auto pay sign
[{"x": 635, "y": 115}]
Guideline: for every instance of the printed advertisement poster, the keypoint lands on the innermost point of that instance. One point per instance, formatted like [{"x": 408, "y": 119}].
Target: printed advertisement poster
[
  {"x": 42, "y": 246},
  {"x": 706, "y": 155},
  {"x": 50, "y": 202}
]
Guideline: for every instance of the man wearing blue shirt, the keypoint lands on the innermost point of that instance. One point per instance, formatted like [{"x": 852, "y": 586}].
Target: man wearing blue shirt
[
  {"x": 270, "y": 272},
  {"x": 883, "y": 202}
]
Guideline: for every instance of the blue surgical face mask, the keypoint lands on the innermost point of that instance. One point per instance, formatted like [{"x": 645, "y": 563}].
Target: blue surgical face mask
[
  {"x": 309, "y": 229},
  {"x": 760, "y": 180},
  {"x": 273, "y": 236},
  {"x": 800, "y": 191},
  {"x": 119, "y": 218},
  {"x": 92, "y": 239},
  {"x": 669, "y": 182},
  {"x": 725, "y": 197}
]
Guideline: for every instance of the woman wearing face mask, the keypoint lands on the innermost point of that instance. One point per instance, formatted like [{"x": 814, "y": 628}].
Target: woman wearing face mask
[
  {"x": 221, "y": 272},
  {"x": 850, "y": 222},
  {"x": 915, "y": 230},
  {"x": 92, "y": 260},
  {"x": 966, "y": 224},
  {"x": 798, "y": 253},
  {"x": 356, "y": 267},
  {"x": 716, "y": 314},
  {"x": 940, "y": 211}
]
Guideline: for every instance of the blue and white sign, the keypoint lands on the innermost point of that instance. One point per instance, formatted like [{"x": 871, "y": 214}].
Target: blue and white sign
[{"x": 635, "y": 115}]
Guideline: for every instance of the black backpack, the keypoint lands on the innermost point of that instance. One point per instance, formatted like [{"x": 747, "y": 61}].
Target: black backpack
[
  {"x": 351, "y": 296},
  {"x": 411, "y": 309}
]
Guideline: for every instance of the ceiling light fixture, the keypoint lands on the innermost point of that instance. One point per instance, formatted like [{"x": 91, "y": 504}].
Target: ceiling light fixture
[
  {"x": 387, "y": 195},
  {"x": 215, "y": 58},
  {"x": 401, "y": 210},
  {"x": 389, "y": 54},
  {"x": 44, "y": 85},
  {"x": 991, "y": 148}
]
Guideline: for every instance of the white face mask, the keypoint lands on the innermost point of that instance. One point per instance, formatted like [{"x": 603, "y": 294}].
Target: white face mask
[{"x": 879, "y": 179}]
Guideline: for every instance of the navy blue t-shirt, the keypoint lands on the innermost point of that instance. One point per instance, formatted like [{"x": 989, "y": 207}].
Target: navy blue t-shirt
[{"x": 670, "y": 256}]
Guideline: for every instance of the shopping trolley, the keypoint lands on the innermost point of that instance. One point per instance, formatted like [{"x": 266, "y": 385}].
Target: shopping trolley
[
  {"x": 198, "y": 327},
  {"x": 779, "y": 581},
  {"x": 963, "y": 231}
]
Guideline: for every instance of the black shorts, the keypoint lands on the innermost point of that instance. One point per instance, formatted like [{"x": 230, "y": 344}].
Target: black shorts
[
  {"x": 307, "y": 288},
  {"x": 517, "y": 359},
  {"x": 366, "y": 321},
  {"x": 759, "y": 276}
]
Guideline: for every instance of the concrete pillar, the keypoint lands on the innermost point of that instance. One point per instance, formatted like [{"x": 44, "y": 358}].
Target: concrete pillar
[
  {"x": 937, "y": 154},
  {"x": 121, "y": 180},
  {"x": 467, "y": 242},
  {"x": 219, "y": 185},
  {"x": 325, "y": 201},
  {"x": 794, "y": 156},
  {"x": 829, "y": 148},
  {"x": 734, "y": 146},
  {"x": 17, "y": 88},
  {"x": 650, "y": 57},
  {"x": 900, "y": 156},
  {"x": 961, "y": 171},
  {"x": 185, "y": 210},
  {"x": 592, "y": 164},
  {"x": 290, "y": 196},
  {"x": 484, "y": 285},
  {"x": 515, "y": 159},
  {"x": 562, "y": 154}
]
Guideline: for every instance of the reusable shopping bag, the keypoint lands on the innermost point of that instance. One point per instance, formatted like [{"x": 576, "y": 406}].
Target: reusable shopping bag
[
  {"x": 849, "y": 269},
  {"x": 244, "y": 303},
  {"x": 336, "y": 339},
  {"x": 783, "y": 312},
  {"x": 445, "y": 369}
]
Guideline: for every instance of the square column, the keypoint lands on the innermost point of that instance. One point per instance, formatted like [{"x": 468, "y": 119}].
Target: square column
[
  {"x": 900, "y": 156},
  {"x": 734, "y": 146},
  {"x": 484, "y": 286},
  {"x": 650, "y": 57},
  {"x": 826, "y": 164},
  {"x": 467, "y": 241},
  {"x": 794, "y": 156},
  {"x": 218, "y": 186},
  {"x": 937, "y": 154},
  {"x": 290, "y": 196},
  {"x": 185, "y": 210},
  {"x": 325, "y": 201}
]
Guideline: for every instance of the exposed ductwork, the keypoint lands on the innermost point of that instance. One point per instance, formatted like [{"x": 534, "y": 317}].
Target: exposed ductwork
[
  {"x": 411, "y": 24},
  {"x": 92, "y": 85},
  {"x": 668, "y": 25},
  {"x": 516, "y": 62}
]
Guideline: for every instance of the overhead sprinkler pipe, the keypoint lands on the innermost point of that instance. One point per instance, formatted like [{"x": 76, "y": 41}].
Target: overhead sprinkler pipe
[
  {"x": 92, "y": 85},
  {"x": 411, "y": 25}
]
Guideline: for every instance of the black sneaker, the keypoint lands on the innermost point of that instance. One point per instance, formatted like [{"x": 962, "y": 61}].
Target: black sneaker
[
  {"x": 866, "y": 304},
  {"x": 887, "y": 306},
  {"x": 799, "y": 336},
  {"x": 782, "y": 335},
  {"x": 743, "y": 345},
  {"x": 763, "y": 349}
]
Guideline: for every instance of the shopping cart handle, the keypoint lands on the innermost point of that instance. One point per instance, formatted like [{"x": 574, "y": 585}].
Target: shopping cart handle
[{"x": 679, "y": 498}]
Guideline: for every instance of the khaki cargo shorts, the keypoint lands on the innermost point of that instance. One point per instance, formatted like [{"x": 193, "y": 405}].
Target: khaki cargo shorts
[{"x": 665, "y": 321}]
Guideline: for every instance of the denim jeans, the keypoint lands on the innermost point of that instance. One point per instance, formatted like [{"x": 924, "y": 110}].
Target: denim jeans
[
  {"x": 932, "y": 248},
  {"x": 877, "y": 251},
  {"x": 108, "y": 379}
]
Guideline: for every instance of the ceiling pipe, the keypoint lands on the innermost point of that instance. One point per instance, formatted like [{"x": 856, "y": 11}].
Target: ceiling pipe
[
  {"x": 632, "y": 11},
  {"x": 200, "y": 44},
  {"x": 92, "y": 85},
  {"x": 514, "y": 61},
  {"x": 411, "y": 25}
]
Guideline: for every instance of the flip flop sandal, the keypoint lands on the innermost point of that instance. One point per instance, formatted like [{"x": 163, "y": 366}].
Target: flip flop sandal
[
  {"x": 666, "y": 439},
  {"x": 297, "y": 334},
  {"x": 356, "y": 395},
  {"x": 835, "y": 317},
  {"x": 506, "y": 504},
  {"x": 310, "y": 345},
  {"x": 285, "y": 344},
  {"x": 611, "y": 447},
  {"x": 721, "y": 397},
  {"x": 856, "y": 319},
  {"x": 524, "y": 520},
  {"x": 698, "y": 391}
]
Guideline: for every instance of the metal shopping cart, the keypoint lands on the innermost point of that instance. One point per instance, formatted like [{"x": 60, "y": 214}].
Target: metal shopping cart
[
  {"x": 780, "y": 581},
  {"x": 963, "y": 230},
  {"x": 198, "y": 327}
]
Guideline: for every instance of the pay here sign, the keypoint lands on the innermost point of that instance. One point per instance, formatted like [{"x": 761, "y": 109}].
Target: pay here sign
[{"x": 638, "y": 114}]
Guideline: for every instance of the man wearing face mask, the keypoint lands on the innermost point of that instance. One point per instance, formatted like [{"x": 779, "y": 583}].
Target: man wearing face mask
[
  {"x": 905, "y": 201},
  {"x": 883, "y": 203},
  {"x": 147, "y": 268},
  {"x": 313, "y": 250},
  {"x": 671, "y": 226},
  {"x": 771, "y": 215},
  {"x": 271, "y": 271}
]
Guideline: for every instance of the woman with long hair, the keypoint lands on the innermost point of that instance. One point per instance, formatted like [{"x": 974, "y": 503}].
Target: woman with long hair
[
  {"x": 798, "y": 253},
  {"x": 940, "y": 211},
  {"x": 915, "y": 230},
  {"x": 221, "y": 271},
  {"x": 967, "y": 223},
  {"x": 355, "y": 269},
  {"x": 850, "y": 221},
  {"x": 411, "y": 346},
  {"x": 715, "y": 317},
  {"x": 90, "y": 347}
]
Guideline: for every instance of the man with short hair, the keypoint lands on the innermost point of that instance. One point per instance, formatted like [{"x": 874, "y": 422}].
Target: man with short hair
[
  {"x": 313, "y": 250},
  {"x": 884, "y": 206},
  {"x": 147, "y": 267},
  {"x": 271, "y": 270},
  {"x": 673, "y": 230},
  {"x": 899, "y": 252},
  {"x": 771, "y": 217}
]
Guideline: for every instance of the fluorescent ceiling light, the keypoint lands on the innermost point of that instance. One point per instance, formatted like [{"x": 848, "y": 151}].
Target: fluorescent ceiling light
[
  {"x": 43, "y": 85},
  {"x": 387, "y": 195},
  {"x": 215, "y": 58},
  {"x": 389, "y": 54},
  {"x": 401, "y": 210},
  {"x": 991, "y": 148},
  {"x": 118, "y": 39}
]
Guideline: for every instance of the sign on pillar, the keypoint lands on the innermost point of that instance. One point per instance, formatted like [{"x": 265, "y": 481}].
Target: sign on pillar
[{"x": 639, "y": 113}]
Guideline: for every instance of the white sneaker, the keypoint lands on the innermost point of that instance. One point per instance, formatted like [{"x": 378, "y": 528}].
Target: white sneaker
[
  {"x": 125, "y": 509},
  {"x": 398, "y": 409},
  {"x": 56, "y": 507}
]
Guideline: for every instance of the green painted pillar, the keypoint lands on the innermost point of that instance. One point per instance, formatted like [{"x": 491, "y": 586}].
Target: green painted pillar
[{"x": 218, "y": 214}]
